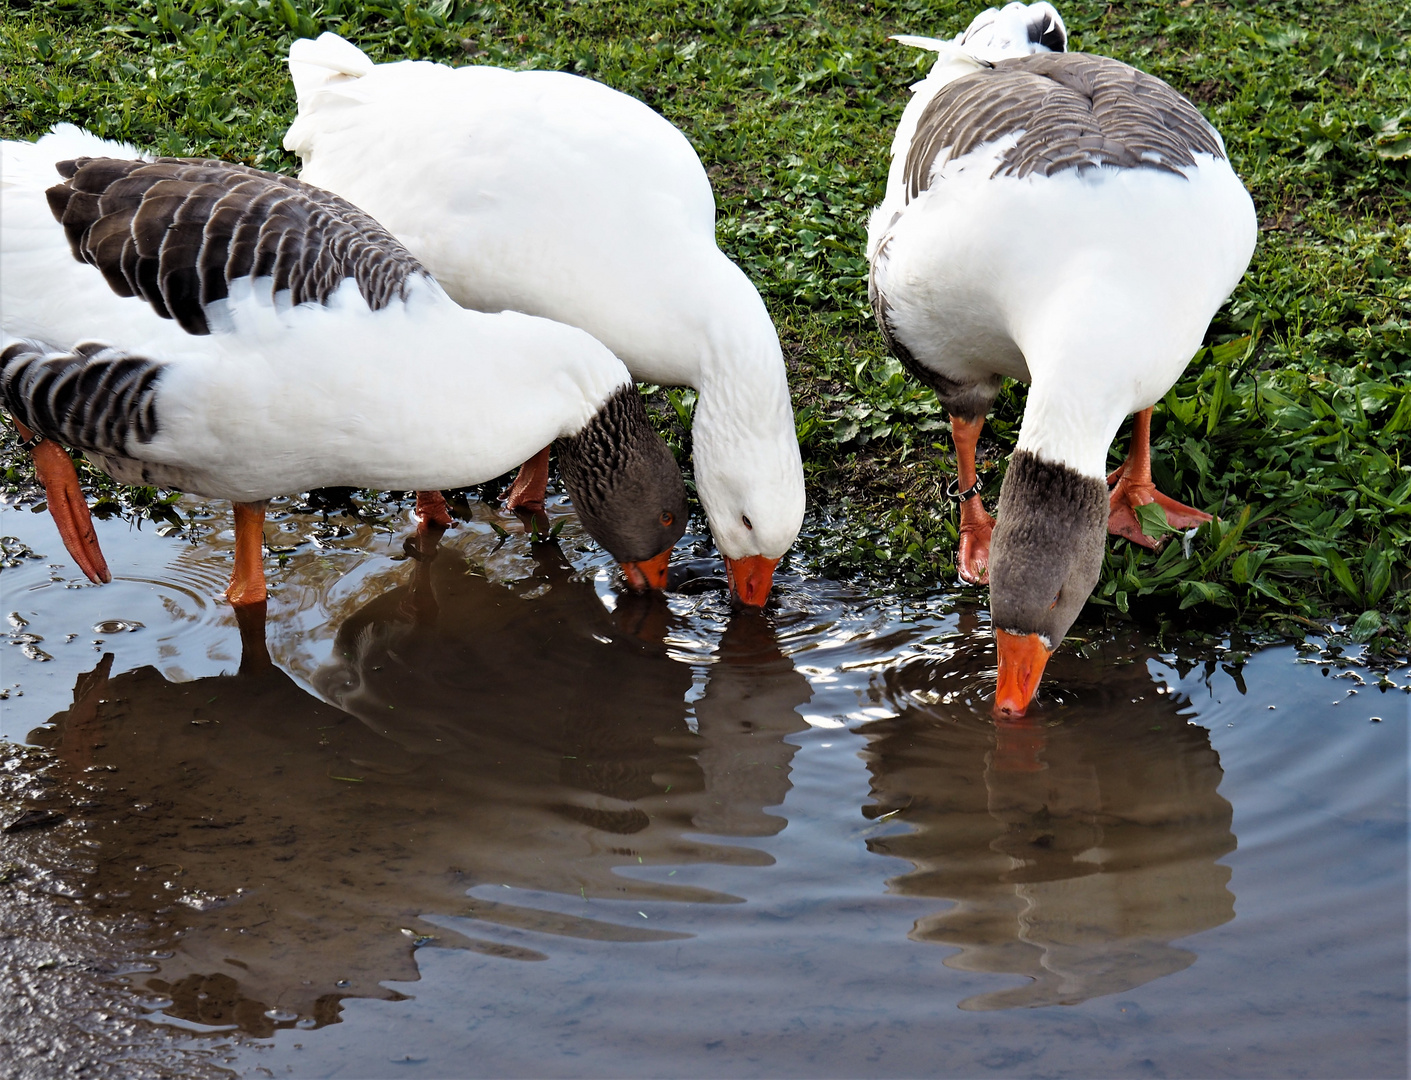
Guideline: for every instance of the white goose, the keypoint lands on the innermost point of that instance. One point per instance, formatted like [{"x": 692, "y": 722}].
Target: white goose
[
  {"x": 208, "y": 327},
  {"x": 1069, "y": 221},
  {"x": 543, "y": 192}
]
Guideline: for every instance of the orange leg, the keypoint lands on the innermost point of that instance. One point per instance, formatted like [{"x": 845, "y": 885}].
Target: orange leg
[
  {"x": 527, "y": 491},
  {"x": 975, "y": 524},
  {"x": 1134, "y": 488},
  {"x": 247, "y": 583},
  {"x": 431, "y": 511},
  {"x": 67, "y": 506}
]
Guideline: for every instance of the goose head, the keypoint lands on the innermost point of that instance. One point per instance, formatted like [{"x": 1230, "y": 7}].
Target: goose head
[
  {"x": 1045, "y": 558},
  {"x": 626, "y": 487},
  {"x": 749, "y": 478},
  {"x": 744, "y": 445},
  {"x": 1014, "y": 30}
]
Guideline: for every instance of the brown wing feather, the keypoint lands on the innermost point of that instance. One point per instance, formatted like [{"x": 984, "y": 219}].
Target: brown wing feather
[
  {"x": 178, "y": 232},
  {"x": 1069, "y": 110}
]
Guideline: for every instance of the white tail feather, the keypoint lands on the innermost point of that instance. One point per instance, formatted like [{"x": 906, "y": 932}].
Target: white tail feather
[
  {"x": 33, "y": 162},
  {"x": 918, "y": 42},
  {"x": 946, "y": 50}
]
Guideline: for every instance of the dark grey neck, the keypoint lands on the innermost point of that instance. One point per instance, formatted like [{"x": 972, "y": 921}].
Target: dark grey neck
[
  {"x": 623, "y": 479},
  {"x": 618, "y": 432},
  {"x": 1047, "y": 546}
]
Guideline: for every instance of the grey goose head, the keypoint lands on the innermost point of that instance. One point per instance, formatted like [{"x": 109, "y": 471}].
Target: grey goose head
[
  {"x": 1045, "y": 557},
  {"x": 626, "y": 487}
]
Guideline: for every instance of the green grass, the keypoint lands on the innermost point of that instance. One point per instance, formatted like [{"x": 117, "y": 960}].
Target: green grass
[{"x": 1293, "y": 425}]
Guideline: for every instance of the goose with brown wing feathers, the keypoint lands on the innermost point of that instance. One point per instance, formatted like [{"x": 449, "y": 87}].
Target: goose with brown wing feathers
[
  {"x": 1069, "y": 221},
  {"x": 208, "y": 327}
]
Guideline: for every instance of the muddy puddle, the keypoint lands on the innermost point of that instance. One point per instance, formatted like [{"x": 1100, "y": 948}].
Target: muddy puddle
[{"x": 478, "y": 814}]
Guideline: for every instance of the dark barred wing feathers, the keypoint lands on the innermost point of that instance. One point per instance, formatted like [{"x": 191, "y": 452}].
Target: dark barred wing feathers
[
  {"x": 1068, "y": 110},
  {"x": 178, "y": 232},
  {"x": 92, "y": 396}
]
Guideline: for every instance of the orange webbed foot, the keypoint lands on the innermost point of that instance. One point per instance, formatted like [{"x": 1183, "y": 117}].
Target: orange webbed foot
[
  {"x": 1128, "y": 495},
  {"x": 431, "y": 511},
  {"x": 976, "y": 527}
]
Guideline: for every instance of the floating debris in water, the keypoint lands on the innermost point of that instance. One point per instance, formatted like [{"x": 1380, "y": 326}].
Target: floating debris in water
[
  {"x": 117, "y": 626},
  {"x": 28, "y": 642},
  {"x": 13, "y": 552},
  {"x": 204, "y": 901}
]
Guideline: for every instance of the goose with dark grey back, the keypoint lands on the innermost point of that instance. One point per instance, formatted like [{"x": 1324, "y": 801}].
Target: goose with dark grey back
[
  {"x": 1065, "y": 220},
  {"x": 236, "y": 334}
]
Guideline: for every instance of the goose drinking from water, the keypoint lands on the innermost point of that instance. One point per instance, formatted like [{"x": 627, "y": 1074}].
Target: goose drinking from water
[
  {"x": 208, "y": 327},
  {"x": 547, "y": 193},
  {"x": 1069, "y": 221}
]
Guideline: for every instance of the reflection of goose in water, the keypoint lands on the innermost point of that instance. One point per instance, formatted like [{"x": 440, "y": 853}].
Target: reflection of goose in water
[
  {"x": 295, "y": 848},
  {"x": 1076, "y": 851}
]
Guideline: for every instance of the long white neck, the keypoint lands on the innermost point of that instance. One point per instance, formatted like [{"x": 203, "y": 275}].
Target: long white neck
[{"x": 745, "y": 447}]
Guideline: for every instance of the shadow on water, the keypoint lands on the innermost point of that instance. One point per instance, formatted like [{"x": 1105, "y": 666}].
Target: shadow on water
[
  {"x": 470, "y": 737},
  {"x": 478, "y": 805},
  {"x": 1077, "y": 844}
]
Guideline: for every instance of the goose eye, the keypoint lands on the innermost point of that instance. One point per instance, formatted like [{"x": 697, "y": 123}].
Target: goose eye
[
  {"x": 667, "y": 517},
  {"x": 1055, "y": 599},
  {"x": 746, "y": 519}
]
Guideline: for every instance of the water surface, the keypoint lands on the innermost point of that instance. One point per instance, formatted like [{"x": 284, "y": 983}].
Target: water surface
[{"x": 479, "y": 814}]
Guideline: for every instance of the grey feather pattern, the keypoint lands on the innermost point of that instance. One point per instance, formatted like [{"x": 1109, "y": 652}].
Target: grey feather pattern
[
  {"x": 1070, "y": 111},
  {"x": 92, "y": 396},
  {"x": 621, "y": 476},
  {"x": 1047, "y": 547},
  {"x": 178, "y": 232}
]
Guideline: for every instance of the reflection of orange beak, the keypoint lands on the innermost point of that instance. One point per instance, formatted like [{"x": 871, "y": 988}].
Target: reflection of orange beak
[
  {"x": 1021, "y": 665},
  {"x": 1018, "y": 743},
  {"x": 649, "y": 573},
  {"x": 751, "y": 578}
]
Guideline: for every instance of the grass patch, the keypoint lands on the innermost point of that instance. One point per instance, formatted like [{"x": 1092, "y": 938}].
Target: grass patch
[{"x": 1292, "y": 424}]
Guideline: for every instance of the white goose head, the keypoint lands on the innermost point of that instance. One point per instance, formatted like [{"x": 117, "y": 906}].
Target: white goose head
[
  {"x": 749, "y": 473},
  {"x": 750, "y": 483},
  {"x": 1014, "y": 30}
]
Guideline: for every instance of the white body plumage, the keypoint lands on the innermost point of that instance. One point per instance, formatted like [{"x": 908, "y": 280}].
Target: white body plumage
[
  {"x": 551, "y": 194},
  {"x": 419, "y": 394},
  {"x": 1095, "y": 286}
]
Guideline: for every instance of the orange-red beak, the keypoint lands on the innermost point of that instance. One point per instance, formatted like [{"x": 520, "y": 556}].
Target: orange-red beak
[
  {"x": 649, "y": 573},
  {"x": 751, "y": 578},
  {"x": 1021, "y": 665}
]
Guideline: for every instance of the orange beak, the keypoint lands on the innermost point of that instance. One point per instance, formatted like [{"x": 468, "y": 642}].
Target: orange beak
[
  {"x": 649, "y": 573},
  {"x": 751, "y": 578},
  {"x": 1021, "y": 665}
]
